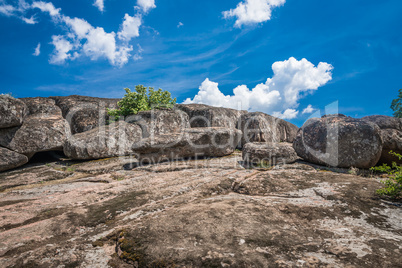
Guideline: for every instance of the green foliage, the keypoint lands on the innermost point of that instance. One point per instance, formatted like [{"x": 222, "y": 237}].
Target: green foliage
[
  {"x": 396, "y": 105},
  {"x": 140, "y": 100},
  {"x": 393, "y": 185}
]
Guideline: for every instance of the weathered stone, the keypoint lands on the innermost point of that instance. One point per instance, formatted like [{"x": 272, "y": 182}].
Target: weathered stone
[
  {"x": 385, "y": 122},
  {"x": 260, "y": 127},
  {"x": 160, "y": 121},
  {"x": 202, "y": 115},
  {"x": 339, "y": 141},
  {"x": 10, "y": 159},
  {"x": 206, "y": 213},
  {"x": 191, "y": 143},
  {"x": 391, "y": 132},
  {"x": 42, "y": 106},
  {"x": 269, "y": 153},
  {"x": 106, "y": 141},
  {"x": 37, "y": 134},
  {"x": 85, "y": 113},
  {"x": 12, "y": 111}
]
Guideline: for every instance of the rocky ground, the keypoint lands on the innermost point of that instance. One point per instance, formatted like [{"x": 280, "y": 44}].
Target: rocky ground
[{"x": 204, "y": 213}]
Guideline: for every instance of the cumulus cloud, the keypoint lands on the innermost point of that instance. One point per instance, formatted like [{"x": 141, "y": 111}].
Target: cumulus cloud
[
  {"x": 146, "y": 5},
  {"x": 81, "y": 38},
  {"x": 18, "y": 11},
  {"x": 46, "y": 7},
  {"x": 37, "y": 50},
  {"x": 62, "y": 49},
  {"x": 308, "y": 110},
  {"x": 7, "y": 10},
  {"x": 287, "y": 114},
  {"x": 138, "y": 55},
  {"x": 130, "y": 27},
  {"x": 100, "y": 5},
  {"x": 253, "y": 11},
  {"x": 279, "y": 95},
  {"x": 180, "y": 24}
]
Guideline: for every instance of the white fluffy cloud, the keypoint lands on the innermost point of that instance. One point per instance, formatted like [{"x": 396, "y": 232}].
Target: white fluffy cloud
[
  {"x": 100, "y": 5},
  {"x": 287, "y": 114},
  {"x": 279, "y": 95},
  {"x": 62, "y": 48},
  {"x": 81, "y": 38},
  {"x": 37, "y": 50},
  {"x": 308, "y": 110},
  {"x": 46, "y": 7},
  {"x": 130, "y": 28},
  {"x": 17, "y": 10},
  {"x": 253, "y": 11},
  {"x": 146, "y": 5}
]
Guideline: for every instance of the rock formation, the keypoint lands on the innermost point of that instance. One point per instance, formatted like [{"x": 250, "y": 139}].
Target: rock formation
[
  {"x": 339, "y": 141},
  {"x": 107, "y": 141},
  {"x": 391, "y": 132},
  {"x": 191, "y": 143},
  {"x": 260, "y": 127},
  {"x": 269, "y": 154},
  {"x": 12, "y": 111},
  {"x": 85, "y": 113},
  {"x": 202, "y": 115}
]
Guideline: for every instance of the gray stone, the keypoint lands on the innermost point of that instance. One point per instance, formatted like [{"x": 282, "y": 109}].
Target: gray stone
[
  {"x": 85, "y": 113},
  {"x": 202, "y": 115},
  {"x": 42, "y": 106},
  {"x": 37, "y": 134},
  {"x": 260, "y": 127},
  {"x": 339, "y": 141},
  {"x": 10, "y": 159},
  {"x": 269, "y": 153},
  {"x": 191, "y": 143},
  {"x": 12, "y": 111},
  {"x": 160, "y": 121},
  {"x": 385, "y": 122},
  {"x": 106, "y": 141}
]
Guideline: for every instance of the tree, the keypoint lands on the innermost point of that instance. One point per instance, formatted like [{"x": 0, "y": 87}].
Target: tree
[
  {"x": 396, "y": 105},
  {"x": 134, "y": 102}
]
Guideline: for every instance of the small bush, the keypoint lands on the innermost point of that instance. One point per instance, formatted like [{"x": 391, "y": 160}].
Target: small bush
[
  {"x": 134, "y": 102},
  {"x": 393, "y": 185}
]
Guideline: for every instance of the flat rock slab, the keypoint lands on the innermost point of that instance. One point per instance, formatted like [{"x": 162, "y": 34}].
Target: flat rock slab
[{"x": 197, "y": 213}]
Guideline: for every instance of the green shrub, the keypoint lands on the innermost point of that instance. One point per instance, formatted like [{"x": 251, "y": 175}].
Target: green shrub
[
  {"x": 396, "y": 105},
  {"x": 393, "y": 185},
  {"x": 134, "y": 102}
]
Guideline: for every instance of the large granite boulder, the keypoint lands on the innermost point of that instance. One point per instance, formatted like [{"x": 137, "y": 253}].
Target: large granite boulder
[
  {"x": 37, "y": 134},
  {"x": 202, "y": 115},
  {"x": 339, "y": 141},
  {"x": 391, "y": 131},
  {"x": 12, "y": 111},
  {"x": 191, "y": 143},
  {"x": 44, "y": 129},
  {"x": 160, "y": 121},
  {"x": 269, "y": 153},
  {"x": 85, "y": 113},
  {"x": 42, "y": 106},
  {"x": 261, "y": 127},
  {"x": 105, "y": 141},
  {"x": 10, "y": 159},
  {"x": 385, "y": 122}
]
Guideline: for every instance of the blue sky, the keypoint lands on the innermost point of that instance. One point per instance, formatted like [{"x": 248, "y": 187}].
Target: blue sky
[{"x": 321, "y": 51}]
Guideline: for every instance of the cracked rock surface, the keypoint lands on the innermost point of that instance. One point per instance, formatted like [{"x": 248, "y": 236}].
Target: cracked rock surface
[{"x": 196, "y": 213}]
